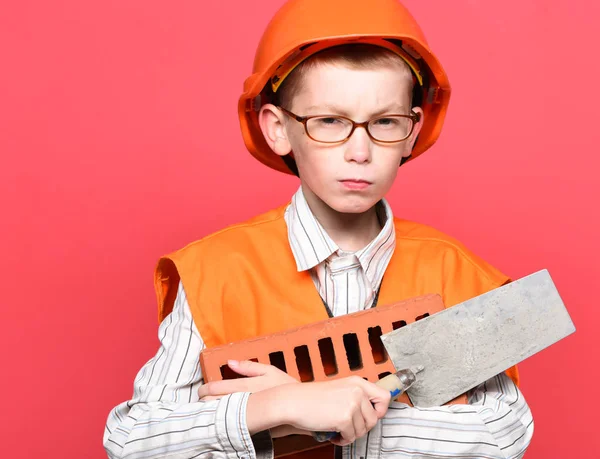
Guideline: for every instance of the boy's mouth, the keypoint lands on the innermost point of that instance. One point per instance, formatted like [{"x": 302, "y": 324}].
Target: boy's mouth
[{"x": 355, "y": 184}]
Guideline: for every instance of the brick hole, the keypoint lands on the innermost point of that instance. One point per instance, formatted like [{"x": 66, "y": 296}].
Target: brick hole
[
  {"x": 277, "y": 359},
  {"x": 327, "y": 353},
  {"x": 377, "y": 349},
  {"x": 383, "y": 375},
  {"x": 353, "y": 351},
  {"x": 422, "y": 317},
  {"x": 399, "y": 324},
  {"x": 304, "y": 364},
  {"x": 228, "y": 373}
]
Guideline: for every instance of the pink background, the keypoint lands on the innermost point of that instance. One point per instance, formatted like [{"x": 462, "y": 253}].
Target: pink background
[{"x": 119, "y": 142}]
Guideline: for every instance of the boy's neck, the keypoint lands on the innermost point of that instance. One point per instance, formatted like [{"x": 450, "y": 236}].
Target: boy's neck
[{"x": 351, "y": 232}]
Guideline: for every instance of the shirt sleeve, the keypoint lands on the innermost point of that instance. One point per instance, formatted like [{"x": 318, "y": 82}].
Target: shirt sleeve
[
  {"x": 165, "y": 417},
  {"x": 496, "y": 424}
]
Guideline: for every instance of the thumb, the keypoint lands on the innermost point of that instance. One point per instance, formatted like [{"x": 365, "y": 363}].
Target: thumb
[{"x": 248, "y": 367}]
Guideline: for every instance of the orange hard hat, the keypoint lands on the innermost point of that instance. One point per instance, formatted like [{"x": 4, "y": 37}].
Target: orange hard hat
[{"x": 302, "y": 28}]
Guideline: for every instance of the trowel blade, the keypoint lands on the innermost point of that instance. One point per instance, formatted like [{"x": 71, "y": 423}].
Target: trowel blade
[{"x": 465, "y": 345}]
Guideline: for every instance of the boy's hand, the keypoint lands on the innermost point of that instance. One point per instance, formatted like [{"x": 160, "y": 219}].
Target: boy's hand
[
  {"x": 258, "y": 377},
  {"x": 350, "y": 406}
]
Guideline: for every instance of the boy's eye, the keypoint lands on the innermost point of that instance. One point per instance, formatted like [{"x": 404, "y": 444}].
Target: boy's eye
[
  {"x": 330, "y": 120},
  {"x": 386, "y": 121}
]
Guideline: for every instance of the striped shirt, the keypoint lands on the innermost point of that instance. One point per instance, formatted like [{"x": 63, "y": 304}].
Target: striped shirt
[{"x": 165, "y": 418}]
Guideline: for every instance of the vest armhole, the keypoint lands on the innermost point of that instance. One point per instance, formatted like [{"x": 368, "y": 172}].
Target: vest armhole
[{"x": 166, "y": 282}]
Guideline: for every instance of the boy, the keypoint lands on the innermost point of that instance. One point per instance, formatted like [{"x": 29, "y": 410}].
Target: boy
[{"x": 343, "y": 93}]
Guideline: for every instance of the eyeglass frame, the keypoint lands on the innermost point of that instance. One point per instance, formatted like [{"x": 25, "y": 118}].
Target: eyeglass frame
[{"x": 415, "y": 117}]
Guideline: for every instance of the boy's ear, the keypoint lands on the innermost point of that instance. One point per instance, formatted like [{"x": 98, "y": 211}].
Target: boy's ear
[
  {"x": 271, "y": 121},
  {"x": 410, "y": 142}
]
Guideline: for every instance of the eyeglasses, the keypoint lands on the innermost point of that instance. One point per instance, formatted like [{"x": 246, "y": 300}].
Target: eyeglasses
[{"x": 335, "y": 128}]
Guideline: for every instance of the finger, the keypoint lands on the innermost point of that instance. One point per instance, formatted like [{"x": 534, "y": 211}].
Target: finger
[
  {"x": 381, "y": 403},
  {"x": 338, "y": 440},
  {"x": 344, "y": 439},
  {"x": 369, "y": 415},
  {"x": 346, "y": 428},
  {"x": 360, "y": 420},
  {"x": 249, "y": 367},
  {"x": 227, "y": 386},
  {"x": 356, "y": 426},
  {"x": 380, "y": 398}
]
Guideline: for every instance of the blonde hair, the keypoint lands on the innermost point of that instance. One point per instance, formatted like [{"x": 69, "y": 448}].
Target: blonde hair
[{"x": 356, "y": 56}]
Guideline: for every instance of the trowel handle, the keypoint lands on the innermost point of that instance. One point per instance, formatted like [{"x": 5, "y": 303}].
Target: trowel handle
[{"x": 396, "y": 383}]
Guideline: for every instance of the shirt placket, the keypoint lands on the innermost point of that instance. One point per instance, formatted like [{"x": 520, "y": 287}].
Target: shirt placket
[{"x": 343, "y": 271}]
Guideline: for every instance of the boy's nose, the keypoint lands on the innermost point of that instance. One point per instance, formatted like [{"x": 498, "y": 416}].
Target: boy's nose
[{"x": 358, "y": 146}]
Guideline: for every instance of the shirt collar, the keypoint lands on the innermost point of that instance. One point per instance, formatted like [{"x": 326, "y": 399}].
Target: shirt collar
[{"x": 311, "y": 245}]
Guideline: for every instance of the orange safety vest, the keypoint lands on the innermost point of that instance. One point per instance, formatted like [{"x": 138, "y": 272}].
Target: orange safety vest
[{"x": 242, "y": 282}]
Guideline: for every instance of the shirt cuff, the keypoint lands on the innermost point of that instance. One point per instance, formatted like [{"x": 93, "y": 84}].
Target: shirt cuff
[{"x": 232, "y": 430}]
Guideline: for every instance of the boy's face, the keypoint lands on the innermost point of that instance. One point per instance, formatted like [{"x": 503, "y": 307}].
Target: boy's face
[{"x": 352, "y": 176}]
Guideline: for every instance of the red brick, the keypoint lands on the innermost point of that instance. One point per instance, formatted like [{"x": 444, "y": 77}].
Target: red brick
[{"x": 403, "y": 312}]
